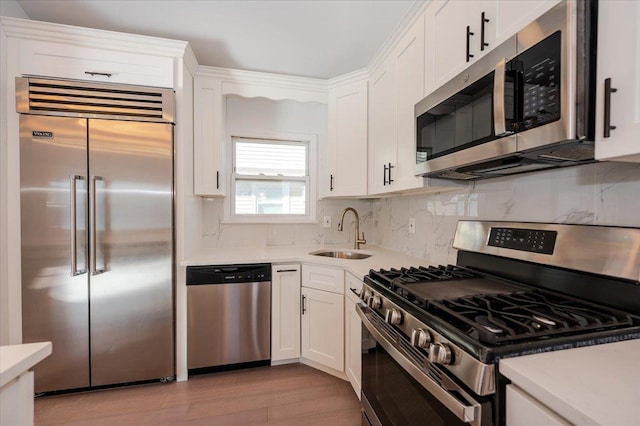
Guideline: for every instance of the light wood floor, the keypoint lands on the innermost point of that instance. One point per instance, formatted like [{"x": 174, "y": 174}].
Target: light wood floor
[{"x": 285, "y": 395}]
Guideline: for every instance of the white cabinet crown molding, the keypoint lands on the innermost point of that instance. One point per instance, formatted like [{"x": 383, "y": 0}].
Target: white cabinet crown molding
[
  {"x": 89, "y": 37},
  {"x": 273, "y": 86},
  {"x": 413, "y": 13},
  {"x": 345, "y": 79}
]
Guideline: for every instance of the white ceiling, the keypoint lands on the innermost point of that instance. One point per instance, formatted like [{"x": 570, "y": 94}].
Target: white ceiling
[{"x": 320, "y": 39}]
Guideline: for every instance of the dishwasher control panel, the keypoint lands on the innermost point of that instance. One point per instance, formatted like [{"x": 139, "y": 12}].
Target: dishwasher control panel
[{"x": 223, "y": 274}]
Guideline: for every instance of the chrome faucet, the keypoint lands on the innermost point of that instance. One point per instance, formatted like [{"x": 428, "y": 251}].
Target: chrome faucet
[{"x": 358, "y": 241}]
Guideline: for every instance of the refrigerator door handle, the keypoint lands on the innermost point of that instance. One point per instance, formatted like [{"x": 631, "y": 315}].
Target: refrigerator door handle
[
  {"x": 73, "y": 206},
  {"x": 93, "y": 229}
]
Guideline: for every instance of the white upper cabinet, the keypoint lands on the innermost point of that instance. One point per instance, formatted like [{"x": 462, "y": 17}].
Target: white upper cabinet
[
  {"x": 396, "y": 86},
  {"x": 460, "y": 32},
  {"x": 347, "y": 171},
  {"x": 618, "y": 81},
  {"x": 61, "y": 60},
  {"x": 512, "y": 16},
  {"x": 382, "y": 139},
  {"x": 208, "y": 137},
  {"x": 409, "y": 57},
  {"x": 453, "y": 38}
]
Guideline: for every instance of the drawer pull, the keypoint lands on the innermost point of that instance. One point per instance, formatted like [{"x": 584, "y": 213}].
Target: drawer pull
[{"x": 93, "y": 73}]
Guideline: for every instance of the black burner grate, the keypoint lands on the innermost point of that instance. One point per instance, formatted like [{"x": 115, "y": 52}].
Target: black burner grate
[{"x": 536, "y": 314}]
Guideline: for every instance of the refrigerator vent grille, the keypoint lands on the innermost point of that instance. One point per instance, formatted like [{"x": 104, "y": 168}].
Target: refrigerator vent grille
[{"x": 91, "y": 100}]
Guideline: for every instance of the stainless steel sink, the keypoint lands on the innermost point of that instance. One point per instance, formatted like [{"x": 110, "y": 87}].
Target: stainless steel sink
[{"x": 340, "y": 254}]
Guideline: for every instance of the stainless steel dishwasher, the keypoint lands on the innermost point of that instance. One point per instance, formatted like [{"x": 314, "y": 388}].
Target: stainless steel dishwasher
[{"x": 229, "y": 315}]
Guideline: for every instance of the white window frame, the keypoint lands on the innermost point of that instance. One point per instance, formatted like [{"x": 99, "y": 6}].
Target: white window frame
[{"x": 310, "y": 179}]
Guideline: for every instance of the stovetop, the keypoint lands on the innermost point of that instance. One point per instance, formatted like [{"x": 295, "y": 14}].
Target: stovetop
[{"x": 490, "y": 314}]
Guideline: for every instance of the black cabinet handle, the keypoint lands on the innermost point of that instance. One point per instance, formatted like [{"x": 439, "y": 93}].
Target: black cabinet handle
[
  {"x": 469, "y": 34},
  {"x": 384, "y": 175},
  {"x": 608, "y": 90},
  {"x": 483, "y": 21},
  {"x": 287, "y": 270},
  {"x": 93, "y": 73},
  {"x": 303, "y": 308},
  {"x": 218, "y": 179},
  {"x": 390, "y": 167},
  {"x": 331, "y": 183}
]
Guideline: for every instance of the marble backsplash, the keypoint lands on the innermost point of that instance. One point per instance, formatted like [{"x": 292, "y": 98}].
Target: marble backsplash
[
  {"x": 595, "y": 194},
  {"x": 217, "y": 233},
  {"x": 601, "y": 193}
]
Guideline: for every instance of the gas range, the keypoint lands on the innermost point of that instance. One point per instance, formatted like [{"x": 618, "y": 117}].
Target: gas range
[{"x": 517, "y": 289}]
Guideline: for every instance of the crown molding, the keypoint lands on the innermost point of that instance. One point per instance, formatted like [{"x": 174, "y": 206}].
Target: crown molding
[
  {"x": 416, "y": 9},
  {"x": 89, "y": 37},
  {"x": 281, "y": 81},
  {"x": 190, "y": 60},
  {"x": 352, "y": 77}
]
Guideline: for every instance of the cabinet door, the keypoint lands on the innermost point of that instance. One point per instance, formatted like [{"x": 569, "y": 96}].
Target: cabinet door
[
  {"x": 352, "y": 333},
  {"x": 523, "y": 410},
  {"x": 61, "y": 60},
  {"x": 383, "y": 135},
  {"x": 409, "y": 58},
  {"x": 447, "y": 22},
  {"x": 619, "y": 61},
  {"x": 208, "y": 152},
  {"x": 323, "y": 327},
  {"x": 323, "y": 278},
  {"x": 285, "y": 312},
  {"x": 347, "y": 140},
  {"x": 511, "y": 16}
]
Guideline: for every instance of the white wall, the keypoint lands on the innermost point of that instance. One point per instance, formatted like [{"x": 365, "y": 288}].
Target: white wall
[
  {"x": 12, "y": 8},
  {"x": 596, "y": 194},
  {"x": 258, "y": 115}
]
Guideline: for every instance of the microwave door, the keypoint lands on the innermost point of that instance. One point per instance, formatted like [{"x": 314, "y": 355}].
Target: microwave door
[{"x": 470, "y": 118}]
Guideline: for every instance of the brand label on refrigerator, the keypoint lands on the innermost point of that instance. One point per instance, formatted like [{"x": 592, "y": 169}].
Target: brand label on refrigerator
[{"x": 42, "y": 134}]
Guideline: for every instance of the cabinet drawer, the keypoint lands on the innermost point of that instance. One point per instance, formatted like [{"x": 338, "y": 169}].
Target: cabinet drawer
[
  {"x": 321, "y": 278},
  {"x": 60, "y": 60}
]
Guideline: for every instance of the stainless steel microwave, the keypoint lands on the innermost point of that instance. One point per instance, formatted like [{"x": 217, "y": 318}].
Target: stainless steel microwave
[{"x": 527, "y": 105}]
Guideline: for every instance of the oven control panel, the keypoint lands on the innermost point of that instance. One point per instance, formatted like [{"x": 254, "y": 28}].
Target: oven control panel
[{"x": 533, "y": 240}]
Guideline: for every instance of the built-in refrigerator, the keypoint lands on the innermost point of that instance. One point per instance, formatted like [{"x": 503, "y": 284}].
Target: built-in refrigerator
[{"x": 96, "y": 193}]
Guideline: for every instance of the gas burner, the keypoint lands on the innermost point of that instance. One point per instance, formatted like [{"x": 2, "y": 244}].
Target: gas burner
[{"x": 499, "y": 319}]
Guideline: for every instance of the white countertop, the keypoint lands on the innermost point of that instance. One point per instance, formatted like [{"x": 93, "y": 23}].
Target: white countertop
[
  {"x": 595, "y": 385},
  {"x": 16, "y": 359},
  {"x": 381, "y": 258}
]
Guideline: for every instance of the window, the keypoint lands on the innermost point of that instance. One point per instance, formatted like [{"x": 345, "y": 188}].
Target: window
[{"x": 270, "y": 180}]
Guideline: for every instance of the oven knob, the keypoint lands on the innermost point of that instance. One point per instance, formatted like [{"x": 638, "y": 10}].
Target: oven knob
[
  {"x": 440, "y": 353},
  {"x": 393, "y": 316},
  {"x": 420, "y": 338},
  {"x": 365, "y": 295},
  {"x": 375, "y": 302}
]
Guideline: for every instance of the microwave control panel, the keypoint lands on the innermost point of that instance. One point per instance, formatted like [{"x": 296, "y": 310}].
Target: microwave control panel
[
  {"x": 540, "y": 67},
  {"x": 532, "y": 240}
]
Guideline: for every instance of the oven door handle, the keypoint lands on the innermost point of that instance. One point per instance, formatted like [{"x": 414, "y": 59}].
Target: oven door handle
[{"x": 466, "y": 413}]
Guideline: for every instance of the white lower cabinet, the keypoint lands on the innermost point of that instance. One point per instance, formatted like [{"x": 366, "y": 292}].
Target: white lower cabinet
[
  {"x": 322, "y": 322},
  {"x": 285, "y": 312},
  {"x": 352, "y": 333},
  {"x": 524, "y": 410},
  {"x": 322, "y": 327}
]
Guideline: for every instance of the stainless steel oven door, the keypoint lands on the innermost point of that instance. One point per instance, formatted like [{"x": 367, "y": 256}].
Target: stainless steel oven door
[{"x": 399, "y": 389}]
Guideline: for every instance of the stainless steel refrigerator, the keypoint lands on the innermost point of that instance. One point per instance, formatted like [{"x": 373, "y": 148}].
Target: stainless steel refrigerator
[{"x": 97, "y": 234}]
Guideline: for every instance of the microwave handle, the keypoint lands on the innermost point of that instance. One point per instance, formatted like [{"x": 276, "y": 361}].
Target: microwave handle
[{"x": 499, "y": 116}]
